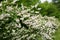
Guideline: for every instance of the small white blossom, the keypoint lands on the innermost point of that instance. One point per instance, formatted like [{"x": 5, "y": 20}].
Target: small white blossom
[
  {"x": 36, "y": 11},
  {"x": 14, "y": 1},
  {"x": 39, "y": 8},
  {"x": 17, "y": 20},
  {"x": 32, "y": 6},
  {"x": 0, "y": 4},
  {"x": 46, "y": 36},
  {"x": 13, "y": 31},
  {"x": 32, "y": 11},
  {"x": 9, "y": 8},
  {"x": 49, "y": 24}
]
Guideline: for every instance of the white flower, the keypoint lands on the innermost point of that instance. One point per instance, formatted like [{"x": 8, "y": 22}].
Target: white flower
[
  {"x": 7, "y": 15},
  {"x": 1, "y": 16},
  {"x": 19, "y": 26},
  {"x": 32, "y": 11},
  {"x": 49, "y": 24},
  {"x": 17, "y": 20},
  {"x": 32, "y": 6},
  {"x": 22, "y": 6},
  {"x": 19, "y": 14},
  {"x": 36, "y": 11},
  {"x": 39, "y": 8},
  {"x": 53, "y": 30},
  {"x": 26, "y": 15},
  {"x": 0, "y": 4},
  {"x": 21, "y": 18},
  {"x": 14, "y": 1},
  {"x": 13, "y": 31},
  {"x": 24, "y": 12},
  {"x": 8, "y": 31},
  {"x": 24, "y": 36},
  {"x": 4, "y": 15},
  {"x": 9, "y": 8},
  {"x": 46, "y": 36}
]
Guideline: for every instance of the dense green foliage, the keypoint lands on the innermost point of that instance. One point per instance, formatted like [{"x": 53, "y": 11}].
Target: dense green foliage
[
  {"x": 57, "y": 34},
  {"x": 49, "y": 9}
]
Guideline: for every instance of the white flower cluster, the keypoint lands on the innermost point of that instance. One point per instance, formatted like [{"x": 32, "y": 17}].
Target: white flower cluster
[
  {"x": 46, "y": 25},
  {"x": 4, "y": 15}
]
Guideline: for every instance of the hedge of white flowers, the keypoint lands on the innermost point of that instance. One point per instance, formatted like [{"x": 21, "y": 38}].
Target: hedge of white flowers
[{"x": 23, "y": 23}]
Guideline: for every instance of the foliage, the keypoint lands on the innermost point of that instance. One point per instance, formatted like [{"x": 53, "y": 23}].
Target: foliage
[
  {"x": 21, "y": 23},
  {"x": 57, "y": 34},
  {"x": 57, "y": 4},
  {"x": 48, "y": 9}
]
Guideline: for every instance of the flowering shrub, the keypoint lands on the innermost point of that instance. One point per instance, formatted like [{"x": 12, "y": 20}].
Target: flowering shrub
[{"x": 21, "y": 23}]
